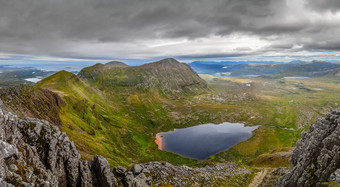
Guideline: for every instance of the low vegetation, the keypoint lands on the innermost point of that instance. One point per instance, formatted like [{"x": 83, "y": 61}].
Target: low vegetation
[{"x": 106, "y": 112}]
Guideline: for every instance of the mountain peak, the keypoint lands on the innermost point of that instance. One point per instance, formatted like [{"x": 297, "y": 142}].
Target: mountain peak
[
  {"x": 166, "y": 63},
  {"x": 116, "y": 64},
  {"x": 168, "y": 60},
  {"x": 167, "y": 75}
]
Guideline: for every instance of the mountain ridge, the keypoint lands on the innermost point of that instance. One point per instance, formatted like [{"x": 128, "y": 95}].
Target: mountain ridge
[
  {"x": 115, "y": 64},
  {"x": 167, "y": 75}
]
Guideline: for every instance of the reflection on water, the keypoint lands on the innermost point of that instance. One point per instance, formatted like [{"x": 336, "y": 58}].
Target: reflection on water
[{"x": 201, "y": 141}]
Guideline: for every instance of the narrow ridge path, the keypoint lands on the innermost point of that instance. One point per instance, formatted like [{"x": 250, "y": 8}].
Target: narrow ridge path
[{"x": 259, "y": 177}]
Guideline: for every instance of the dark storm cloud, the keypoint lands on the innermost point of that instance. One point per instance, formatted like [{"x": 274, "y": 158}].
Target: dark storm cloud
[
  {"x": 333, "y": 45},
  {"x": 117, "y": 20},
  {"x": 324, "y": 5},
  {"x": 219, "y": 55},
  {"x": 64, "y": 27}
]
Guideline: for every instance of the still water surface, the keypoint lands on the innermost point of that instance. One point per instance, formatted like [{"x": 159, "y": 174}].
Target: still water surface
[{"x": 201, "y": 141}]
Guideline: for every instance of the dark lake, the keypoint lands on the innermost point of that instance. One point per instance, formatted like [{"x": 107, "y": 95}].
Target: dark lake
[{"x": 201, "y": 141}]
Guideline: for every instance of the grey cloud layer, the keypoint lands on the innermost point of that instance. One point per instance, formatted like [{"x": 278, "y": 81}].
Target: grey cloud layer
[{"x": 59, "y": 27}]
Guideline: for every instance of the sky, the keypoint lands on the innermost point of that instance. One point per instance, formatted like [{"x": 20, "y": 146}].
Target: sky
[{"x": 136, "y": 31}]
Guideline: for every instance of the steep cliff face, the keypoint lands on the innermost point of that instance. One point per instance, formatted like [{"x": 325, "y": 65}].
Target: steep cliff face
[
  {"x": 27, "y": 101},
  {"x": 316, "y": 158},
  {"x": 34, "y": 152}
]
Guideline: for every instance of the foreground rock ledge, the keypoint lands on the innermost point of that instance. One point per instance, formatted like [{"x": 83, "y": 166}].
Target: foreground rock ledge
[
  {"x": 316, "y": 159},
  {"x": 35, "y": 153}
]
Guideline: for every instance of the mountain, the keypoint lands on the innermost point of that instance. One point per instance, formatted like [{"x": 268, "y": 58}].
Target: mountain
[
  {"x": 34, "y": 152},
  {"x": 115, "y": 64},
  {"x": 167, "y": 75},
  {"x": 16, "y": 76},
  {"x": 235, "y": 67},
  {"x": 116, "y": 111},
  {"x": 335, "y": 73},
  {"x": 119, "y": 108},
  {"x": 263, "y": 69},
  {"x": 316, "y": 159},
  {"x": 310, "y": 69},
  {"x": 297, "y": 68}
]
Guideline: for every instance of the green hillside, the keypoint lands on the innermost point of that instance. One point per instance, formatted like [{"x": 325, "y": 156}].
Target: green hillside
[
  {"x": 108, "y": 113},
  {"x": 116, "y": 111},
  {"x": 168, "y": 76}
]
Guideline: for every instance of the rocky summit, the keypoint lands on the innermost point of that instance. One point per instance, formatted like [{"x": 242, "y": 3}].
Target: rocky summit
[{"x": 316, "y": 159}]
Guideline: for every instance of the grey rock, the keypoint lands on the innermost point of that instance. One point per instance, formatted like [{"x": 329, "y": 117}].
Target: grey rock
[
  {"x": 129, "y": 179},
  {"x": 101, "y": 169},
  {"x": 119, "y": 171},
  {"x": 316, "y": 158},
  {"x": 141, "y": 181},
  {"x": 34, "y": 152},
  {"x": 6, "y": 149},
  {"x": 186, "y": 176},
  {"x": 136, "y": 169}
]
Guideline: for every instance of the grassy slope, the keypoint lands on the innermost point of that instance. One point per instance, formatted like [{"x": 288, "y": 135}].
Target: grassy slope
[
  {"x": 116, "y": 126},
  {"x": 119, "y": 121},
  {"x": 291, "y": 103}
]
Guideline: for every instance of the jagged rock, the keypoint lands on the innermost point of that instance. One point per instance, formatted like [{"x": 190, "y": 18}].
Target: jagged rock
[
  {"x": 34, "y": 152},
  {"x": 128, "y": 181},
  {"x": 141, "y": 181},
  {"x": 271, "y": 178},
  {"x": 186, "y": 176},
  {"x": 6, "y": 149},
  {"x": 316, "y": 158},
  {"x": 136, "y": 169},
  {"x": 119, "y": 171},
  {"x": 102, "y": 173}
]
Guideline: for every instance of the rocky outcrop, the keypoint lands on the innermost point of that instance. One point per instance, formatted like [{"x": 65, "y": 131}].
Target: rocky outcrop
[
  {"x": 35, "y": 153},
  {"x": 316, "y": 159},
  {"x": 214, "y": 175}
]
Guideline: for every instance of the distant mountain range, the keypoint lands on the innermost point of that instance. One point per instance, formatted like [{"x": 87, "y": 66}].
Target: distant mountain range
[
  {"x": 312, "y": 69},
  {"x": 15, "y": 76}
]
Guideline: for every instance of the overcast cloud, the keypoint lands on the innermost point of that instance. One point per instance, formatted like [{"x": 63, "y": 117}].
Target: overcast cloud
[{"x": 188, "y": 29}]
